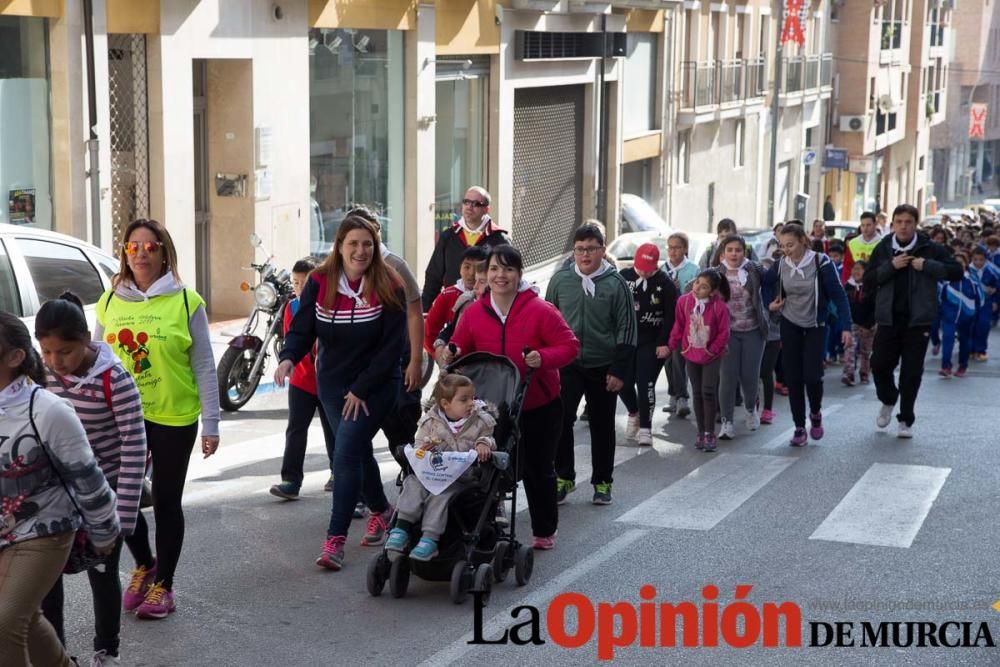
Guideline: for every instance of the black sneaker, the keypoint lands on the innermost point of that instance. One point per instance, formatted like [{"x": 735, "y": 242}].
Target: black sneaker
[
  {"x": 564, "y": 487},
  {"x": 285, "y": 490},
  {"x": 602, "y": 494}
]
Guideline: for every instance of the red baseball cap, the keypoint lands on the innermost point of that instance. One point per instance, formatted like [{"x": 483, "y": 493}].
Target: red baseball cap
[{"x": 647, "y": 258}]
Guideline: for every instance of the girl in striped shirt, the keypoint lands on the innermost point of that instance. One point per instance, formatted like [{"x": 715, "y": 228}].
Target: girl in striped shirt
[{"x": 105, "y": 398}]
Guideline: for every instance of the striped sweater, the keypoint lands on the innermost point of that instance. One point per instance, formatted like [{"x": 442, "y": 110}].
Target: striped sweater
[{"x": 107, "y": 402}]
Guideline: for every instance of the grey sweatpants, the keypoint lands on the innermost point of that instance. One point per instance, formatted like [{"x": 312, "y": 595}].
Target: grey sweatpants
[
  {"x": 417, "y": 504},
  {"x": 741, "y": 365}
]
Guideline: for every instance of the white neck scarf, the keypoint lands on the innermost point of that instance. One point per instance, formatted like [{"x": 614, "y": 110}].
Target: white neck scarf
[
  {"x": 852, "y": 281},
  {"x": 16, "y": 393},
  {"x": 477, "y": 230},
  {"x": 455, "y": 426},
  {"x": 804, "y": 262},
  {"x": 344, "y": 287},
  {"x": 496, "y": 309},
  {"x": 673, "y": 270},
  {"x": 589, "y": 287},
  {"x": 461, "y": 286},
  {"x": 699, "y": 306},
  {"x": 741, "y": 271},
  {"x": 908, "y": 247}
]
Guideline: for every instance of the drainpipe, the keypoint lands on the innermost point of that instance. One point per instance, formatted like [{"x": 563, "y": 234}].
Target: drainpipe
[
  {"x": 775, "y": 109},
  {"x": 92, "y": 142},
  {"x": 602, "y": 151}
]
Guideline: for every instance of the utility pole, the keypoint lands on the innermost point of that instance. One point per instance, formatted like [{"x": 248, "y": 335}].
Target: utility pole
[{"x": 775, "y": 93}]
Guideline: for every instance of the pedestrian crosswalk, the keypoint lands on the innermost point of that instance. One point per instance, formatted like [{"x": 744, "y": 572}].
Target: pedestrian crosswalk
[{"x": 886, "y": 507}]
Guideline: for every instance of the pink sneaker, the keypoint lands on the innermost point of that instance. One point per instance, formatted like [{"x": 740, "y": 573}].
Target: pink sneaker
[
  {"x": 767, "y": 417},
  {"x": 332, "y": 557},
  {"x": 544, "y": 543},
  {"x": 137, "y": 588},
  {"x": 378, "y": 525},
  {"x": 159, "y": 603},
  {"x": 816, "y": 426}
]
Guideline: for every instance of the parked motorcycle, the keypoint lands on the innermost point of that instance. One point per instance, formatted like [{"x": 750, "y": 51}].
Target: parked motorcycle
[{"x": 244, "y": 361}]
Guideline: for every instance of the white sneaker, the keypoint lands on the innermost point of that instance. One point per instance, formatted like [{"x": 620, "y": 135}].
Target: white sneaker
[
  {"x": 753, "y": 420},
  {"x": 682, "y": 408},
  {"x": 905, "y": 431},
  {"x": 727, "y": 431},
  {"x": 645, "y": 437},
  {"x": 671, "y": 405},
  {"x": 102, "y": 659},
  {"x": 632, "y": 428},
  {"x": 884, "y": 415}
]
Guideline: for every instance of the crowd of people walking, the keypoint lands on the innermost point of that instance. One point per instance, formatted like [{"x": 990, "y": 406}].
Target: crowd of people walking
[{"x": 728, "y": 329}]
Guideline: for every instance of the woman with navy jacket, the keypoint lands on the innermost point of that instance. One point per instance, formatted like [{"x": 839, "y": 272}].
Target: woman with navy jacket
[
  {"x": 354, "y": 306},
  {"x": 807, "y": 282}
]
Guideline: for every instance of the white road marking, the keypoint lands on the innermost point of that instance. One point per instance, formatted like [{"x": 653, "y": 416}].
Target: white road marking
[
  {"x": 886, "y": 507},
  {"x": 708, "y": 494},
  {"x": 495, "y": 625}
]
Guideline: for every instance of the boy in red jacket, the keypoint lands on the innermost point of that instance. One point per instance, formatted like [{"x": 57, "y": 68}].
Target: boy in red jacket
[
  {"x": 302, "y": 404},
  {"x": 441, "y": 311}
]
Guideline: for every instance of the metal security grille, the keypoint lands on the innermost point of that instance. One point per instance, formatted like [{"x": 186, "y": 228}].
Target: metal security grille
[
  {"x": 129, "y": 130},
  {"x": 548, "y": 170}
]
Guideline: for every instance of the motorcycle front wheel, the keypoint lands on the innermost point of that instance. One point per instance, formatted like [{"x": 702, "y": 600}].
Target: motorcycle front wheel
[{"x": 236, "y": 386}]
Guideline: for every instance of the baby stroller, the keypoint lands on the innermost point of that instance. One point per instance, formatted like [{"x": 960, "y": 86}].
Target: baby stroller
[{"x": 475, "y": 549}]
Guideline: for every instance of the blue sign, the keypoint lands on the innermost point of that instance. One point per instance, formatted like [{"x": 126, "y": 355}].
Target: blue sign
[{"x": 835, "y": 158}]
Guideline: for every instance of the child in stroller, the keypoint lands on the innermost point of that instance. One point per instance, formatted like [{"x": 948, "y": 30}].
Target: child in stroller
[
  {"x": 475, "y": 549},
  {"x": 455, "y": 422}
]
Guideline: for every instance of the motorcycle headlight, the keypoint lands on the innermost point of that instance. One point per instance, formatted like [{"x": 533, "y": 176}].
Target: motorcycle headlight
[{"x": 265, "y": 295}]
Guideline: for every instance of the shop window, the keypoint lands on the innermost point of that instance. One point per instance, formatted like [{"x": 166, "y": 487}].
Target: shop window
[
  {"x": 356, "y": 101},
  {"x": 25, "y": 134},
  {"x": 461, "y": 133},
  {"x": 640, "y": 83},
  {"x": 637, "y": 178}
]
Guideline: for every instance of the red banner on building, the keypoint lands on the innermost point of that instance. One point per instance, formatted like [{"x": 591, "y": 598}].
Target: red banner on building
[
  {"x": 793, "y": 30},
  {"x": 977, "y": 121}
]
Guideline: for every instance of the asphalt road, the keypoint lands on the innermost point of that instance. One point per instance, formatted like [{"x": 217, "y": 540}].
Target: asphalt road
[{"x": 858, "y": 527}]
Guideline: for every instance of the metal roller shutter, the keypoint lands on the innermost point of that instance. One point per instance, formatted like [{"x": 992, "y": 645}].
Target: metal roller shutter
[{"x": 548, "y": 170}]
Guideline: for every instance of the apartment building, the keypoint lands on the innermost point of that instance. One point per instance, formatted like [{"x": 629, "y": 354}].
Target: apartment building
[
  {"x": 892, "y": 72},
  {"x": 963, "y": 162},
  {"x": 725, "y": 79}
]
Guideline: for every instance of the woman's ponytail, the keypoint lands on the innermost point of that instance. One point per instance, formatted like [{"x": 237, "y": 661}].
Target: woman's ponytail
[{"x": 14, "y": 336}]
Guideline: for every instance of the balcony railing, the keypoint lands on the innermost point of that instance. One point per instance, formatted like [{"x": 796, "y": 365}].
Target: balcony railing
[
  {"x": 699, "y": 84},
  {"x": 731, "y": 79},
  {"x": 709, "y": 83},
  {"x": 892, "y": 35},
  {"x": 811, "y": 70},
  {"x": 794, "y": 67}
]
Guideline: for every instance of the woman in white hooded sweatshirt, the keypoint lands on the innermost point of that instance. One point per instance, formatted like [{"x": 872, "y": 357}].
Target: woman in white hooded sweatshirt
[
  {"x": 105, "y": 398},
  {"x": 159, "y": 330}
]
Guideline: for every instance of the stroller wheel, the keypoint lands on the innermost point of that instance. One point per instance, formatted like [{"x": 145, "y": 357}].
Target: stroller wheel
[
  {"x": 500, "y": 562},
  {"x": 483, "y": 582},
  {"x": 459, "y": 582},
  {"x": 376, "y": 574},
  {"x": 524, "y": 563},
  {"x": 399, "y": 577}
]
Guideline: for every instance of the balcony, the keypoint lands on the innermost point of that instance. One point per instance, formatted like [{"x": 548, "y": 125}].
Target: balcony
[
  {"x": 807, "y": 75},
  {"x": 718, "y": 89}
]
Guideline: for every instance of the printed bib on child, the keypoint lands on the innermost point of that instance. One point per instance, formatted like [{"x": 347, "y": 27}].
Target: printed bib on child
[{"x": 436, "y": 470}]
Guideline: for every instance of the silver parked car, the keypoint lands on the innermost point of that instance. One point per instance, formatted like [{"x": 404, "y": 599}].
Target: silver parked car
[{"x": 37, "y": 265}]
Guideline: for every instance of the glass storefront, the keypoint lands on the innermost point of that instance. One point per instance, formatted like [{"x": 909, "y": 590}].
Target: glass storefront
[
  {"x": 460, "y": 134},
  {"x": 356, "y": 102},
  {"x": 25, "y": 132}
]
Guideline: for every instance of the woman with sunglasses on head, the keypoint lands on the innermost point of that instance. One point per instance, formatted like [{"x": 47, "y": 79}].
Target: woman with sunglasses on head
[{"x": 159, "y": 329}]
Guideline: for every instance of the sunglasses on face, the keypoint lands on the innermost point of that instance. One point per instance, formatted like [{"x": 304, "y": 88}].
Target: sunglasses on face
[
  {"x": 475, "y": 203},
  {"x": 148, "y": 247}
]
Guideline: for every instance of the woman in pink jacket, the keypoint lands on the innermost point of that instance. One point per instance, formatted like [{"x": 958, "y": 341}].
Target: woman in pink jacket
[
  {"x": 508, "y": 319},
  {"x": 701, "y": 332}
]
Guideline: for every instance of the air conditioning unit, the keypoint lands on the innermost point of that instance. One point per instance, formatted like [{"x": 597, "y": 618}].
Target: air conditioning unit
[{"x": 852, "y": 123}]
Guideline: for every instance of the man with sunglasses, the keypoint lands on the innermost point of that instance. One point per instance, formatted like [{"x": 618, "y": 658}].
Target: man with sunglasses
[{"x": 474, "y": 228}]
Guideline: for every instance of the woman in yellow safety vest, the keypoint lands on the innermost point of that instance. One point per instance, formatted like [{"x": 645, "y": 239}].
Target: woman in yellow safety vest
[{"x": 159, "y": 329}]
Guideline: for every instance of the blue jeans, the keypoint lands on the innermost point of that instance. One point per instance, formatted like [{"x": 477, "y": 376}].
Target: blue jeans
[{"x": 354, "y": 465}]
